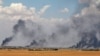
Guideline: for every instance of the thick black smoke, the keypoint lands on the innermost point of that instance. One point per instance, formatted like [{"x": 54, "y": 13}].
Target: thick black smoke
[{"x": 6, "y": 41}]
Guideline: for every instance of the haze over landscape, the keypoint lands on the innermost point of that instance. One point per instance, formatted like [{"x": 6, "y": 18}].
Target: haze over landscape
[{"x": 60, "y": 24}]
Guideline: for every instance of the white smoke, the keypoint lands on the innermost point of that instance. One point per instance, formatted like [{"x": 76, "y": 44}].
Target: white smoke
[
  {"x": 57, "y": 32},
  {"x": 52, "y": 34}
]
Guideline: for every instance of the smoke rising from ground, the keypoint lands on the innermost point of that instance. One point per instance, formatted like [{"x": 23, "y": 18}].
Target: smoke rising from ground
[
  {"x": 57, "y": 32},
  {"x": 42, "y": 34}
]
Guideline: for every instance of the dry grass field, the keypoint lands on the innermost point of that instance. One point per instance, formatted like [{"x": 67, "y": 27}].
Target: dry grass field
[{"x": 20, "y": 52}]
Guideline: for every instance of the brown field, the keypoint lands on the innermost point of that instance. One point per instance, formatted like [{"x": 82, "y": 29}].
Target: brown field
[{"x": 20, "y": 52}]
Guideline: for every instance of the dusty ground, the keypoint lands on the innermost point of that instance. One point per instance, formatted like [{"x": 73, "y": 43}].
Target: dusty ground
[{"x": 48, "y": 53}]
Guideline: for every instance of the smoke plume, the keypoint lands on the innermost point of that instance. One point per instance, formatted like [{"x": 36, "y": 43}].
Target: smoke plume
[{"x": 58, "y": 33}]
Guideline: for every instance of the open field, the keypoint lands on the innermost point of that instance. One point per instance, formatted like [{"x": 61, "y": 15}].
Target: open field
[{"x": 22, "y": 52}]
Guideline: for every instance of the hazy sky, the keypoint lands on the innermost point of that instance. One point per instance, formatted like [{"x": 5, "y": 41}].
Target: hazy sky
[
  {"x": 48, "y": 23},
  {"x": 51, "y": 10}
]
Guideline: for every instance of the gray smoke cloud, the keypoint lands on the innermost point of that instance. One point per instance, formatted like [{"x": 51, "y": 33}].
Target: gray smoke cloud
[
  {"x": 65, "y": 33},
  {"x": 34, "y": 34}
]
